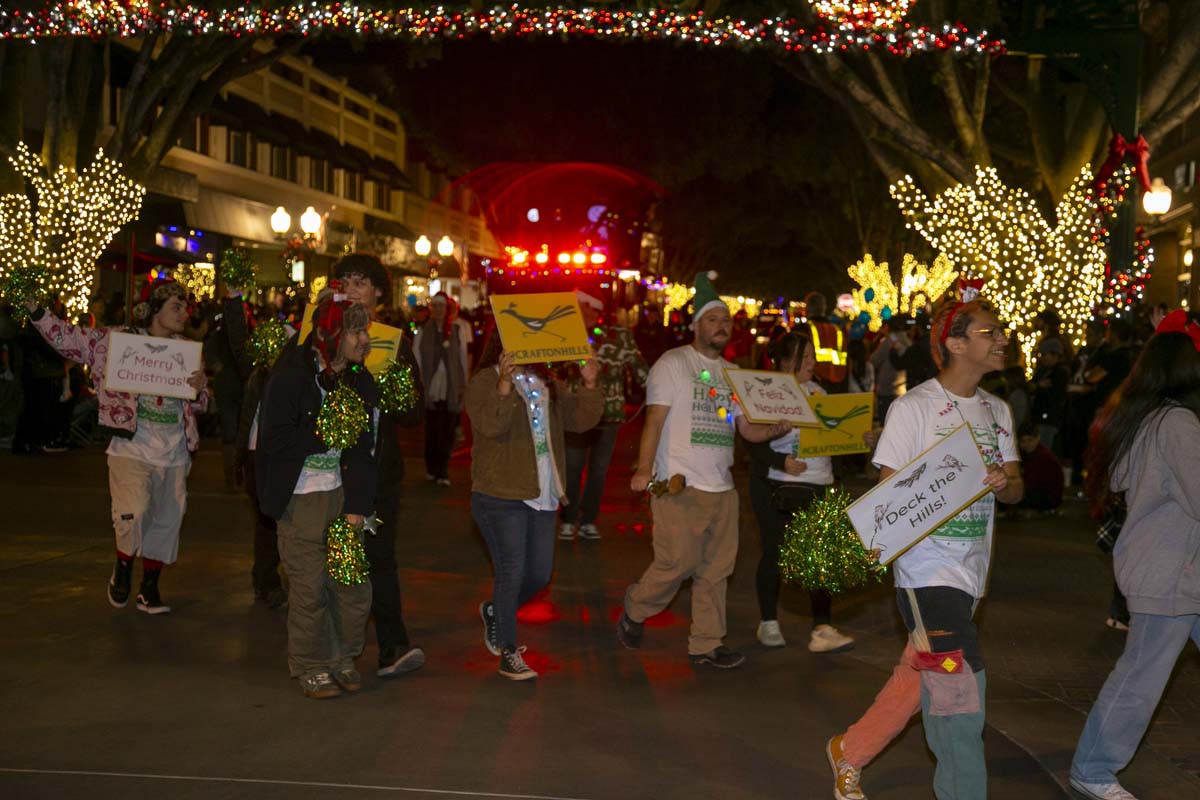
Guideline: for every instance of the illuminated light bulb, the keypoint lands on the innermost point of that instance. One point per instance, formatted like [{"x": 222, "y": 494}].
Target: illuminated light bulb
[
  {"x": 542, "y": 258},
  {"x": 310, "y": 222},
  {"x": 422, "y": 246},
  {"x": 445, "y": 247},
  {"x": 579, "y": 258},
  {"x": 281, "y": 221},
  {"x": 564, "y": 258}
]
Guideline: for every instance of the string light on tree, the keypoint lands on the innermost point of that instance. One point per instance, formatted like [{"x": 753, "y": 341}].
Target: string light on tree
[
  {"x": 1124, "y": 288},
  {"x": 879, "y": 297},
  {"x": 200, "y": 280},
  {"x": 78, "y": 214},
  {"x": 863, "y": 15}
]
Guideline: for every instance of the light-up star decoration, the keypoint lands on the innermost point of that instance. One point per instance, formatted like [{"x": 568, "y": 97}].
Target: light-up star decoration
[
  {"x": 78, "y": 214},
  {"x": 880, "y": 297},
  {"x": 992, "y": 231}
]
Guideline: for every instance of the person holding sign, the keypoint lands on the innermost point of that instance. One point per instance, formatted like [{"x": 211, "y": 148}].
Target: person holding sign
[
  {"x": 689, "y": 432},
  {"x": 153, "y": 439},
  {"x": 945, "y": 574},
  {"x": 518, "y": 459}
]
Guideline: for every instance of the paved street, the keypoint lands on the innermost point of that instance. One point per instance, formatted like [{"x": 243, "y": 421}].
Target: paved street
[{"x": 103, "y": 703}]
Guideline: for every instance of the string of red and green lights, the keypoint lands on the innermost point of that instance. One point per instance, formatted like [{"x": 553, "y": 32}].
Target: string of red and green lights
[{"x": 842, "y": 27}]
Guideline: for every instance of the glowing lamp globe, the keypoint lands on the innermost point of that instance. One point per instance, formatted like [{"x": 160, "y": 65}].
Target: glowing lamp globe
[
  {"x": 445, "y": 247},
  {"x": 422, "y": 246},
  {"x": 310, "y": 222},
  {"x": 1158, "y": 200},
  {"x": 281, "y": 221}
]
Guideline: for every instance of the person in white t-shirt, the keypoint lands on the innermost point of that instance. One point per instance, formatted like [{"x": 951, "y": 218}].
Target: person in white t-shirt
[
  {"x": 689, "y": 432},
  {"x": 945, "y": 574}
]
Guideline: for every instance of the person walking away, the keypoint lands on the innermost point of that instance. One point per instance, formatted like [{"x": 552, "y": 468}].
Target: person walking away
[
  {"x": 1148, "y": 447},
  {"x": 940, "y": 580},
  {"x": 617, "y": 356},
  {"x": 225, "y": 347},
  {"x": 305, "y": 484},
  {"x": 153, "y": 439},
  {"x": 518, "y": 418},
  {"x": 828, "y": 342},
  {"x": 889, "y": 379},
  {"x": 441, "y": 352},
  {"x": 688, "y": 433}
]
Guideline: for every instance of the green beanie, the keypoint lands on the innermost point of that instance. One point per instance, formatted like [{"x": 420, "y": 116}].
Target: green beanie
[{"x": 706, "y": 296}]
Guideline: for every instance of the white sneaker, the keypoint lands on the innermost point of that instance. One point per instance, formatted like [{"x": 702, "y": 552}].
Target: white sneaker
[
  {"x": 828, "y": 639},
  {"x": 589, "y": 531},
  {"x": 1101, "y": 791},
  {"x": 769, "y": 634},
  {"x": 566, "y": 532},
  {"x": 1116, "y": 624}
]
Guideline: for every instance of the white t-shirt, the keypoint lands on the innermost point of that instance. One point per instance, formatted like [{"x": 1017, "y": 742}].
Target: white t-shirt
[
  {"x": 322, "y": 472},
  {"x": 819, "y": 471},
  {"x": 696, "y": 442},
  {"x": 159, "y": 438},
  {"x": 537, "y": 408},
  {"x": 958, "y": 553}
]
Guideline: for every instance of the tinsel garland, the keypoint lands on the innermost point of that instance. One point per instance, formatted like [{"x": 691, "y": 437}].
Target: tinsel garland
[
  {"x": 821, "y": 549},
  {"x": 397, "y": 389},
  {"x": 238, "y": 270},
  {"x": 342, "y": 418},
  {"x": 345, "y": 557},
  {"x": 21, "y": 284},
  {"x": 265, "y": 343}
]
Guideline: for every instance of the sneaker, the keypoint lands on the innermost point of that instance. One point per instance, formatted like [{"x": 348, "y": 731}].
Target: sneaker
[
  {"x": 720, "y": 657},
  {"x": 589, "y": 531},
  {"x": 443, "y": 482},
  {"x": 629, "y": 633},
  {"x": 1116, "y": 624},
  {"x": 566, "y": 532},
  {"x": 828, "y": 639},
  {"x": 148, "y": 599},
  {"x": 845, "y": 777},
  {"x": 769, "y": 634},
  {"x": 54, "y": 448},
  {"x": 393, "y": 662},
  {"x": 487, "y": 612},
  {"x": 320, "y": 686},
  {"x": 120, "y": 584},
  {"x": 513, "y": 666},
  {"x": 429, "y": 476},
  {"x": 349, "y": 679},
  {"x": 1101, "y": 791}
]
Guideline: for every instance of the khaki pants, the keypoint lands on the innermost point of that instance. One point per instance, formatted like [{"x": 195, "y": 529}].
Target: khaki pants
[
  {"x": 695, "y": 536},
  {"x": 326, "y": 621},
  {"x": 148, "y": 504}
]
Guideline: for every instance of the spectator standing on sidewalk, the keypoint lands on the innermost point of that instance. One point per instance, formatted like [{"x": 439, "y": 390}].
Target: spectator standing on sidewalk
[
  {"x": 889, "y": 378},
  {"x": 518, "y": 418},
  {"x": 1050, "y": 380},
  {"x": 940, "y": 580},
  {"x": 1148, "y": 447},
  {"x": 153, "y": 439},
  {"x": 441, "y": 351},
  {"x": 617, "y": 356},
  {"x": 305, "y": 484},
  {"x": 1040, "y": 470}
]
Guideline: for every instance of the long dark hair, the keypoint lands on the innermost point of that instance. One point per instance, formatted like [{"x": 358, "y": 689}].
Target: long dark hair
[
  {"x": 791, "y": 345},
  {"x": 1166, "y": 374},
  {"x": 489, "y": 357}
]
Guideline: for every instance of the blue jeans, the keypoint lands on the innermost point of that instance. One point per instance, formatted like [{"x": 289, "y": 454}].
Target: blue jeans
[
  {"x": 1122, "y": 712},
  {"x": 521, "y": 543},
  {"x": 593, "y": 450}
]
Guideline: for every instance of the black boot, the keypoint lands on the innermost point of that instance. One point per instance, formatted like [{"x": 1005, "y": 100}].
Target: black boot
[
  {"x": 148, "y": 599},
  {"x": 120, "y": 582}
]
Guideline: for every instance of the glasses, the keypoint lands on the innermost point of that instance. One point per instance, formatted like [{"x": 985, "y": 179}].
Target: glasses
[{"x": 991, "y": 333}]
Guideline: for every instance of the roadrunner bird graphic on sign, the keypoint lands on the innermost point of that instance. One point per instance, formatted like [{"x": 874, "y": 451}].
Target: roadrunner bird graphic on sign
[{"x": 541, "y": 327}]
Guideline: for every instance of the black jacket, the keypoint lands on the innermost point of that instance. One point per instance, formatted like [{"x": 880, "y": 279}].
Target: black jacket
[{"x": 287, "y": 434}]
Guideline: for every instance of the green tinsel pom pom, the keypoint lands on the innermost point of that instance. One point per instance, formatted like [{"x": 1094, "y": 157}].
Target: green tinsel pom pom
[
  {"x": 345, "y": 557},
  {"x": 821, "y": 549},
  {"x": 397, "y": 389},
  {"x": 268, "y": 339},
  {"x": 238, "y": 270},
  {"x": 342, "y": 418},
  {"x": 21, "y": 284}
]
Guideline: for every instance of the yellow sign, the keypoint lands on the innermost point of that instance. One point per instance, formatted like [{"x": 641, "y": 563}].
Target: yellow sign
[
  {"x": 385, "y": 343},
  {"x": 541, "y": 327},
  {"x": 843, "y": 419}
]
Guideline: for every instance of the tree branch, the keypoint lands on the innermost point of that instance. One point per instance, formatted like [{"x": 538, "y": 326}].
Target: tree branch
[
  {"x": 888, "y": 88},
  {"x": 946, "y": 77},
  {"x": 1176, "y": 115},
  {"x": 1176, "y": 63}
]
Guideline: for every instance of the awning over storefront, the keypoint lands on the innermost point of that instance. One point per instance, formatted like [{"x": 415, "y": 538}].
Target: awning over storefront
[
  {"x": 386, "y": 227},
  {"x": 232, "y": 216},
  {"x": 242, "y": 115}
]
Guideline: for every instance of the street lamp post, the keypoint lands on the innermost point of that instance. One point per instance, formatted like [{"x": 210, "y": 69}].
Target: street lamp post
[{"x": 1157, "y": 201}]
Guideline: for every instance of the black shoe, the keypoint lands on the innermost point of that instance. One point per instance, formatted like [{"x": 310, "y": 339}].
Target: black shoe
[
  {"x": 395, "y": 661},
  {"x": 629, "y": 633},
  {"x": 487, "y": 612},
  {"x": 120, "y": 583},
  {"x": 271, "y": 598},
  {"x": 148, "y": 599},
  {"x": 513, "y": 666},
  {"x": 720, "y": 657}
]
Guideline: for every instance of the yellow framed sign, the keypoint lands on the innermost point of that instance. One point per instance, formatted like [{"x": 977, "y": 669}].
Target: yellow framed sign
[
  {"x": 385, "y": 343},
  {"x": 841, "y": 422},
  {"x": 540, "y": 327}
]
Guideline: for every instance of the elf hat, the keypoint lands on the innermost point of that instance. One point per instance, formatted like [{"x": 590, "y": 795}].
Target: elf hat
[{"x": 706, "y": 298}]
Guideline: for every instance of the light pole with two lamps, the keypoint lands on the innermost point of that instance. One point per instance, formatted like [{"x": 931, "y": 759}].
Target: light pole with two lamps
[{"x": 310, "y": 227}]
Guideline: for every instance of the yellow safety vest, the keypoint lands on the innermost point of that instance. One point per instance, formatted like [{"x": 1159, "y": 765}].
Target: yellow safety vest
[{"x": 828, "y": 355}]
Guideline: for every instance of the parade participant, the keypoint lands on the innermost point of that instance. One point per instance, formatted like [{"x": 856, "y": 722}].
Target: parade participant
[
  {"x": 780, "y": 485},
  {"x": 305, "y": 484},
  {"x": 518, "y": 418},
  {"x": 149, "y": 456},
  {"x": 366, "y": 282},
  {"x": 689, "y": 408},
  {"x": 946, "y": 572},
  {"x": 1147, "y": 447},
  {"x": 441, "y": 350},
  {"x": 616, "y": 354},
  {"x": 225, "y": 349},
  {"x": 828, "y": 343}
]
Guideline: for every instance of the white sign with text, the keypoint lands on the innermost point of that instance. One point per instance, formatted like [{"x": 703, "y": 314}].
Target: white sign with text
[
  {"x": 920, "y": 496},
  {"x": 151, "y": 365},
  {"x": 770, "y": 396}
]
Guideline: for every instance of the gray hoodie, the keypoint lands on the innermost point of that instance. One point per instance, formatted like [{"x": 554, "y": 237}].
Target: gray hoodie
[{"x": 1157, "y": 557}]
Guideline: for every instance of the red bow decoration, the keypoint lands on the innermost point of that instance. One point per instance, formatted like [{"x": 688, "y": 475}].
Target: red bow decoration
[
  {"x": 1177, "y": 322},
  {"x": 969, "y": 288},
  {"x": 1118, "y": 151}
]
